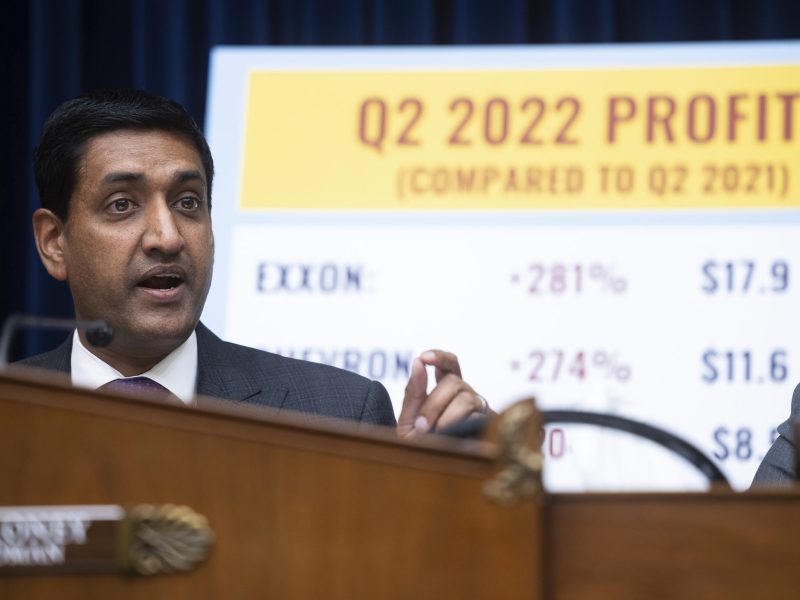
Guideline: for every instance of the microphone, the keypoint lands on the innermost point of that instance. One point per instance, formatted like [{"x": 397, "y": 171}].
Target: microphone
[{"x": 98, "y": 333}]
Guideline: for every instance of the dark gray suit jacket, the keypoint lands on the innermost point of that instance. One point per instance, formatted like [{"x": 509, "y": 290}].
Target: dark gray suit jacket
[
  {"x": 250, "y": 376},
  {"x": 778, "y": 465}
]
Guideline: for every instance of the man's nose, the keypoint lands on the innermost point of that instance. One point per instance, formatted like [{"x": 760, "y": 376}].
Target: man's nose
[{"x": 162, "y": 234}]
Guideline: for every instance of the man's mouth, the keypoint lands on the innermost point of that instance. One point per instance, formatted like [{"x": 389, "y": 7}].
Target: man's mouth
[{"x": 161, "y": 282}]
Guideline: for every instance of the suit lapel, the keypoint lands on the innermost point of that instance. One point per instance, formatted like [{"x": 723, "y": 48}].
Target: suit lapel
[
  {"x": 62, "y": 356},
  {"x": 59, "y": 359},
  {"x": 221, "y": 375}
]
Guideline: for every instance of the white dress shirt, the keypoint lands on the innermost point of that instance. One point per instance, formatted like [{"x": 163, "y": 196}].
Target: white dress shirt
[{"x": 177, "y": 372}]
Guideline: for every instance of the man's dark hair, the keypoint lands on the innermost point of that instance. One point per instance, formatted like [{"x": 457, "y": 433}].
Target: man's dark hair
[{"x": 61, "y": 148}]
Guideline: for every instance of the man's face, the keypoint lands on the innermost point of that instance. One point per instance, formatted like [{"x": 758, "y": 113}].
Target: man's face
[{"x": 137, "y": 246}]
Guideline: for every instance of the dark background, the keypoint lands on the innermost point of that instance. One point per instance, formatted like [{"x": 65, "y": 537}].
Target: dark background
[{"x": 53, "y": 50}]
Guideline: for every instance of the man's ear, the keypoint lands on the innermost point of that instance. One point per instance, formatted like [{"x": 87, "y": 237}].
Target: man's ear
[{"x": 48, "y": 230}]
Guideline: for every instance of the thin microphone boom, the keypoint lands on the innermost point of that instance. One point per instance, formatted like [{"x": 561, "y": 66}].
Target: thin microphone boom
[
  {"x": 98, "y": 333},
  {"x": 474, "y": 428}
]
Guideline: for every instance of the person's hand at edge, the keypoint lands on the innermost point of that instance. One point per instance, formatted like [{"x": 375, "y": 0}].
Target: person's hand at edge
[{"x": 451, "y": 401}]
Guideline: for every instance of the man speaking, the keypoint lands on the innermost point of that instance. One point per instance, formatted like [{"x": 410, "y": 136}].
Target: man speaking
[{"x": 125, "y": 184}]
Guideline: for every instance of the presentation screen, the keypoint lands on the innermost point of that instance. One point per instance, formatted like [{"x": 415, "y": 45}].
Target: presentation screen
[{"x": 603, "y": 228}]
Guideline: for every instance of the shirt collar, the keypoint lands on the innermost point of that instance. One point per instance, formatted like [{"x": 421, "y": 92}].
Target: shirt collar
[{"x": 177, "y": 371}]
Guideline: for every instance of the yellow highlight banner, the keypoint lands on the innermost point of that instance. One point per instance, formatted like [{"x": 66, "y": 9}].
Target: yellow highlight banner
[{"x": 711, "y": 137}]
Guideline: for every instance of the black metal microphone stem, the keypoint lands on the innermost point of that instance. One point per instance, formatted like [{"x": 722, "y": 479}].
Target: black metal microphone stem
[
  {"x": 670, "y": 441},
  {"x": 99, "y": 333},
  {"x": 474, "y": 428}
]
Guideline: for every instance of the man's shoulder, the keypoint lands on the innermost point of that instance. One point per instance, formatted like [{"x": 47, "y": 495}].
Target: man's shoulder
[
  {"x": 309, "y": 387},
  {"x": 57, "y": 359},
  {"x": 275, "y": 364},
  {"x": 786, "y": 429}
]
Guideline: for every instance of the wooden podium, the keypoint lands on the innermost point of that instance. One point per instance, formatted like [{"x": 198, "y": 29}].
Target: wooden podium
[{"x": 304, "y": 509}]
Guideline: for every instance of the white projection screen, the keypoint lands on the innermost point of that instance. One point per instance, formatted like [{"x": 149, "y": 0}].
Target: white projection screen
[{"x": 605, "y": 228}]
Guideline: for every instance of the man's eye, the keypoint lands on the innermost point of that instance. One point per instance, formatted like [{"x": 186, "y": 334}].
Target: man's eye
[
  {"x": 121, "y": 205},
  {"x": 189, "y": 203}
]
